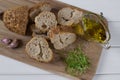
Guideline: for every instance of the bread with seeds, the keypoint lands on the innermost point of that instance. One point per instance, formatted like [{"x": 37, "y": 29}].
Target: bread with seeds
[{"x": 16, "y": 19}]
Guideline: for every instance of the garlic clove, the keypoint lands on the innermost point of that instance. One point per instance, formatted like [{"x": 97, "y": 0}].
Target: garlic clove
[
  {"x": 6, "y": 41},
  {"x": 14, "y": 44}
]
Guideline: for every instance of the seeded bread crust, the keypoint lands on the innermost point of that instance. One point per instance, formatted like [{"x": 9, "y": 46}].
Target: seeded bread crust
[
  {"x": 38, "y": 49},
  {"x": 16, "y": 19},
  {"x": 45, "y": 21},
  {"x": 68, "y": 16}
]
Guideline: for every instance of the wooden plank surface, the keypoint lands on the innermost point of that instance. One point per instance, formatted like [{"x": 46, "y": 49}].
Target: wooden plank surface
[{"x": 20, "y": 55}]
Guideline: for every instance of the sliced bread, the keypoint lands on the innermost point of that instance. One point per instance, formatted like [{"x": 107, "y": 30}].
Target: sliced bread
[
  {"x": 37, "y": 8},
  {"x": 38, "y": 49},
  {"x": 68, "y": 16},
  {"x": 60, "y": 39},
  {"x": 45, "y": 21},
  {"x": 16, "y": 19}
]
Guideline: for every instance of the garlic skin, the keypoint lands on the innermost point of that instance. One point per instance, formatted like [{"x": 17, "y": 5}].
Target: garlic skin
[
  {"x": 14, "y": 44},
  {"x": 6, "y": 41}
]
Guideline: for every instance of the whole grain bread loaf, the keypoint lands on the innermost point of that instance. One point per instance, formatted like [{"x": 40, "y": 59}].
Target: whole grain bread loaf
[
  {"x": 38, "y": 49},
  {"x": 68, "y": 16},
  {"x": 16, "y": 19}
]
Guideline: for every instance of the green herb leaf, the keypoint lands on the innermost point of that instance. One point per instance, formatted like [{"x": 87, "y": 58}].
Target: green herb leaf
[{"x": 77, "y": 62}]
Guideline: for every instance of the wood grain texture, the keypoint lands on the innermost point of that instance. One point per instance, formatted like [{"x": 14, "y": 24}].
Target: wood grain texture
[{"x": 93, "y": 50}]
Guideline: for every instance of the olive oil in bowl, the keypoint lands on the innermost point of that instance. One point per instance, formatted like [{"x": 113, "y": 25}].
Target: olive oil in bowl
[{"x": 93, "y": 28}]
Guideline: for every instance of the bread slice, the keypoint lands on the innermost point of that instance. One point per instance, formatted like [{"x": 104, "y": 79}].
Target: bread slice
[
  {"x": 68, "y": 16},
  {"x": 16, "y": 19},
  {"x": 60, "y": 39},
  {"x": 45, "y": 21},
  {"x": 37, "y": 8},
  {"x": 38, "y": 49}
]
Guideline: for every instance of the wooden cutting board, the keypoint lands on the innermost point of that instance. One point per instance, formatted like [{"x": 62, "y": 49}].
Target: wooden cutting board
[{"x": 93, "y": 50}]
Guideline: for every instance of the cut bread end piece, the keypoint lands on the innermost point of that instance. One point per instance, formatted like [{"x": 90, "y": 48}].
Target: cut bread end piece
[{"x": 16, "y": 19}]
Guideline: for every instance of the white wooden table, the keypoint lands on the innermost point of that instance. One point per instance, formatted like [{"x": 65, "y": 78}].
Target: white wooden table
[{"x": 109, "y": 65}]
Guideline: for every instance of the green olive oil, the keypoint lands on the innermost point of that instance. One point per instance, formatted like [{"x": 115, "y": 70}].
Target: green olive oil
[{"x": 93, "y": 29}]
